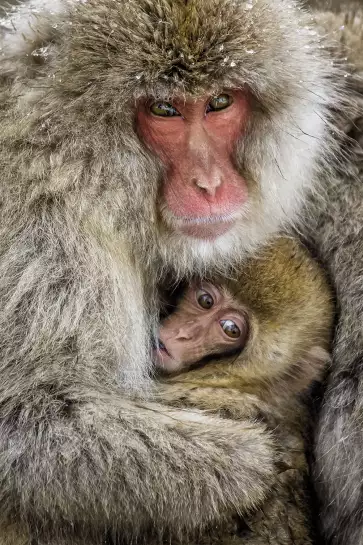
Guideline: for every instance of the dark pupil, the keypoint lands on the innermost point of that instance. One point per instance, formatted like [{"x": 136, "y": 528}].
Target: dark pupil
[
  {"x": 220, "y": 101},
  {"x": 231, "y": 329},
  {"x": 205, "y": 301},
  {"x": 164, "y": 109}
]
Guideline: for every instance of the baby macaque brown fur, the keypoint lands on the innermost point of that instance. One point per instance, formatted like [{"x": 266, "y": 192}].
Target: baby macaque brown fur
[{"x": 290, "y": 312}]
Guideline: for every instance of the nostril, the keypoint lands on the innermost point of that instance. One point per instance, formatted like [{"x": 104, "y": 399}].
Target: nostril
[{"x": 204, "y": 187}]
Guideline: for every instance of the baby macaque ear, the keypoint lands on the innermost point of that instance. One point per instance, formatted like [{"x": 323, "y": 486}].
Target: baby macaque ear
[
  {"x": 318, "y": 358},
  {"x": 310, "y": 367}
]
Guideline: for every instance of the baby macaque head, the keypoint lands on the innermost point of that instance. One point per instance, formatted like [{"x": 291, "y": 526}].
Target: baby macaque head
[{"x": 207, "y": 322}]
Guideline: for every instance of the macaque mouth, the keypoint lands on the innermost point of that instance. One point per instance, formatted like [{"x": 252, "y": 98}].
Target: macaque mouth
[
  {"x": 208, "y": 227},
  {"x": 162, "y": 348},
  {"x": 208, "y": 220}
]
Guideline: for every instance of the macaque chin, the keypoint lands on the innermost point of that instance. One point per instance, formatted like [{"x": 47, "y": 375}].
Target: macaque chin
[{"x": 207, "y": 322}]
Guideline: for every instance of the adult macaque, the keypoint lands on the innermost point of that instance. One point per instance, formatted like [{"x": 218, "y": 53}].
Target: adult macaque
[
  {"x": 140, "y": 139},
  {"x": 252, "y": 345}
]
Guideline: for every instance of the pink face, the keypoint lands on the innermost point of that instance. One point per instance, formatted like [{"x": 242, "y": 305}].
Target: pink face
[
  {"x": 203, "y": 192},
  {"x": 206, "y": 322}
]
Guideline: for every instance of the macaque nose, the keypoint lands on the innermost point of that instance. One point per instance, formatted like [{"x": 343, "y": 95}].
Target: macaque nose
[
  {"x": 208, "y": 182},
  {"x": 206, "y": 174},
  {"x": 188, "y": 331}
]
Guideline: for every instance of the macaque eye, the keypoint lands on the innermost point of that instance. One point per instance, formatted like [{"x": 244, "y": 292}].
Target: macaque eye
[
  {"x": 220, "y": 102},
  {"x": 164, "y": 109},
  {"x": 231, "y": 329},
  {"x": 205, "y": 300}
]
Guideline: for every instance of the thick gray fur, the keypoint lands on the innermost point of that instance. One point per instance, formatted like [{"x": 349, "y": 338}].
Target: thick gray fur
[{"x": 336, "y": 234}]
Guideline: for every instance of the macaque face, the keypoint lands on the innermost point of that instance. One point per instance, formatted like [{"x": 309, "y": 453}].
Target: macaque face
[
  {"x": 206, "y": 322},
  {"x": 203, "y": 193}
]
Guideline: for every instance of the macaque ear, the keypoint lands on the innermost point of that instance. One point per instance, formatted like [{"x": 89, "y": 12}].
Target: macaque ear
[
  {"x": 318, "y": 358},
  {"x": 309, "y": 368}
]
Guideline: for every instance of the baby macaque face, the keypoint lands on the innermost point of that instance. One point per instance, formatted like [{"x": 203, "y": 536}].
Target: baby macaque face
[{"x": 206, "y": 322}]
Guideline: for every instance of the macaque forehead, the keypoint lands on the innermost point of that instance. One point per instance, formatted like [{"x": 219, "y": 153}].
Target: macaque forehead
[
  {"x": 192, "y": 56},
  {"x": 223, "y": 298}
]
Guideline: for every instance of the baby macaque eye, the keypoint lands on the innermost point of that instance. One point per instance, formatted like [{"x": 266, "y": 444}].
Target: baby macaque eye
[
  {"x": 220, "y": 102},
  {"x": 205, "y": 300},
  {"x": 164, "y": 109},
  {"x": 231, "y": 329}
]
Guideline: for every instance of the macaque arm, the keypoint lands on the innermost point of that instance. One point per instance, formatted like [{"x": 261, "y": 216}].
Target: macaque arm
[{"x": 106, "y": 460}]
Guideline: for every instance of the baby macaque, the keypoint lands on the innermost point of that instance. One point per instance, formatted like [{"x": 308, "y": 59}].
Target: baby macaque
[
  {"x": 250, "y": 346},
  {"x": 207, "y": 323}
]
